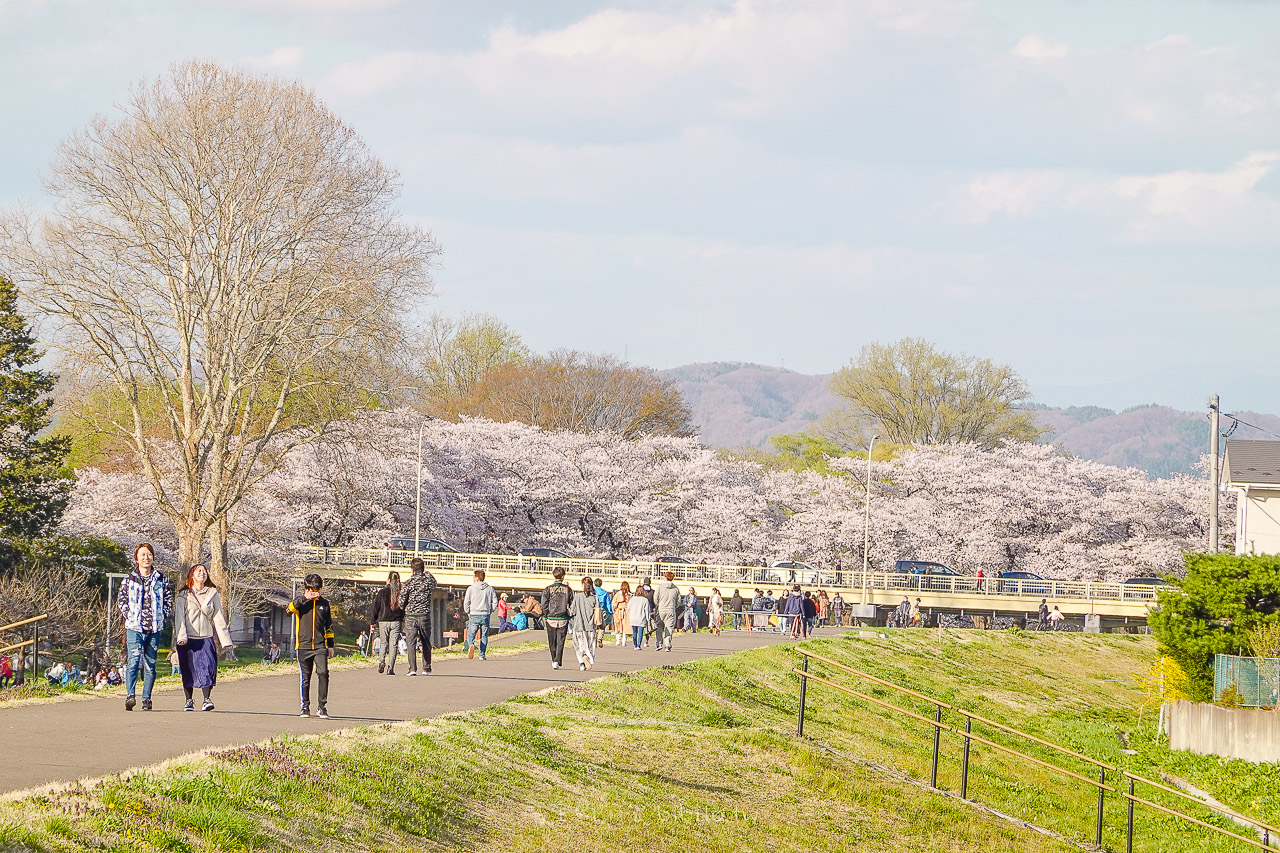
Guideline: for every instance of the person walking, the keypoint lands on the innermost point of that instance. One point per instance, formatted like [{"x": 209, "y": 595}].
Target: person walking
[
  {"x": 666, "y": 600},
  {"x": 556, "y": 600},
  {"x": 415, "y": 601},
  {"x": 199, "y": 629},
  {"x": 6, "y": 672},
  {"x": 584, "y": 611},
  {"x": 837, "y": 610},
  {"x": 621, "y": 617},
  {"x": 313, "y": 628},
  {"x": 913, "y": 615},
  {"x": 646, "y": 589},
  {"x": 1043, "y": 612},
  {"x": 810, "y": 614},
  {"x": 824, "y": 608},
  {"x": 638, "y": 612},
  {"x": 794, "y": 608},
  {"x": 385, "y": 619},
  {"x": 146, "y": 604},
  {"x": 1056, "y": 618},
  {"x": 736, "y": 605},
  {"x": 690, "y": 603},
  {"x": 606, "y": 611},
  {"x": 715, "y": 611},
  {"x": 479, "y": 602}
]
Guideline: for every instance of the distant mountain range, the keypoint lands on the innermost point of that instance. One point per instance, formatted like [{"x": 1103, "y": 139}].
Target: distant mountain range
[{"x": 739, "y": 405}]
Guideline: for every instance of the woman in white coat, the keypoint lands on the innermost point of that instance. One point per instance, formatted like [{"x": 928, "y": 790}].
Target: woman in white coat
[
  {"x": 199, "y": 628},
  {"x": 638, "y": 612}
]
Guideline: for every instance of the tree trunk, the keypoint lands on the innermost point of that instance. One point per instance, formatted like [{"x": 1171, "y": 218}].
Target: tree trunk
[
  {"x": 190, "y": 538},
  {"x": 220, "y": 572}
]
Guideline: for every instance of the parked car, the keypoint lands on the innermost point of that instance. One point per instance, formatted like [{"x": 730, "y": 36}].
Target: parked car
[
  {"x": 794, "y": 571},
  {"x": 1023, "y": 583},
  {"x": 545, "y": 552},
  {"x": 919, "y": 574},
  {"x": 405, "y": 543},
  {"x": 669, "y": 558},
  {"x": 1146, "y": 581}
]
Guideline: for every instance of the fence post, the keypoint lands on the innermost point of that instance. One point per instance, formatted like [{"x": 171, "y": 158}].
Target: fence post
[
  {"x": 1102, "y": 780},
  {"x": 1128, "y": 832},
  {"x": 35, "y": 651},
  {"x": 937, "y": 734},
  {"x": 964, "y": 767},
  {"x": 804, "y": 683}
]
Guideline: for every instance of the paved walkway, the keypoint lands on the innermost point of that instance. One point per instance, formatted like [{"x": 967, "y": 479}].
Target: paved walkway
[{"x": 64, "y": 741}]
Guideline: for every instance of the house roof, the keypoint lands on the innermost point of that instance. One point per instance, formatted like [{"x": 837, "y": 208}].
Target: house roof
[{"x": 1254, "y": 462}]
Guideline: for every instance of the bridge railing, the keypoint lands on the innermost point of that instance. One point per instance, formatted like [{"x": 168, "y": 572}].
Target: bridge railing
[{"x": 730, "y": 575}]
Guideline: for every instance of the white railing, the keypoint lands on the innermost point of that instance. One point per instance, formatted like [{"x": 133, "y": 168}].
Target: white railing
[{"x": 731, "y": 576}]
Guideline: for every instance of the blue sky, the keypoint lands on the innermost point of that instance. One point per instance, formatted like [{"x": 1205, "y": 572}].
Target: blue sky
[{"x": 1085, "y": 190}]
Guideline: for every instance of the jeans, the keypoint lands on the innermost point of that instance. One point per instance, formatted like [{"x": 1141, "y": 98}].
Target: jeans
[
  {"x": 637, "y": 635},
  {"x": 416, "y": 628},
  {"x": 478, "y": 625},
  {"x": 142, "y": 649},
  {"x": 555, "y": 640},
  {"x": 737, "y": 620},
  {"x": 389, "y": 638},
  {"x": 316, "y": 660}
]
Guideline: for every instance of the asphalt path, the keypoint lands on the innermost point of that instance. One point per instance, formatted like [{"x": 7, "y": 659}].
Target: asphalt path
[{"x": 66, "y": 741}]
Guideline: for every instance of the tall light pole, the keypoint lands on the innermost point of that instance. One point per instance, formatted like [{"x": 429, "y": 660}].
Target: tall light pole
[
  {"x": 866, "y": 523},
  {"x": 1214, "y": 475},
  {"x": 417, "y": 505}
]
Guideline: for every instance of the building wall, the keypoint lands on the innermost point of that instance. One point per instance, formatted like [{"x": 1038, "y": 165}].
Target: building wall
[
  {"x": 1258, "y": 521},
  {"x": 1245, "y": 733}
]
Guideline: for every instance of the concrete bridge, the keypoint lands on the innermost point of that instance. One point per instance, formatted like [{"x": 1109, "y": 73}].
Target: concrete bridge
[{"x": 882, "y": 589}]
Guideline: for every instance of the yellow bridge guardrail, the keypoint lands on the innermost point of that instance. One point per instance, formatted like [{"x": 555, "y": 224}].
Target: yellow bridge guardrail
[{"x": 1015, "y": 592}]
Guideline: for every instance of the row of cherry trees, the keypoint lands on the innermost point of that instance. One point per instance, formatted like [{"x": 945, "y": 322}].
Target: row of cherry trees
[{"x": 498, "y": 487}]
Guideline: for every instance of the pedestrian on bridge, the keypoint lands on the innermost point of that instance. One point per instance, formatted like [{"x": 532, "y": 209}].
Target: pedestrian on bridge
[
  {"x": 556, "y": 601},
  {"x": 415, "y": 601},
  {"x": 385, "y": 620}
]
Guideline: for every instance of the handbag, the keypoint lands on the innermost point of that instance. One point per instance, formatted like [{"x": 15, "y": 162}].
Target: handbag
[{"x": 173, "y": 658}]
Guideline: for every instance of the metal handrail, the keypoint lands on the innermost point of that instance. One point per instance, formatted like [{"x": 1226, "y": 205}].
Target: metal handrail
[
  {"x": 968, "y": 736},
  {"x": 24, "y": 622},
  {"x": 4, "y": 649}
]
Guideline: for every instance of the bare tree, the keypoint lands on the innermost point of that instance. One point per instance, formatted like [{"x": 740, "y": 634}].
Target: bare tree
[{"x": 227, "y": 254}]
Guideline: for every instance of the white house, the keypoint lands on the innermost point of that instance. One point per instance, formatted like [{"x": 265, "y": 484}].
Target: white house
[{"x": 1253, "y": 472}]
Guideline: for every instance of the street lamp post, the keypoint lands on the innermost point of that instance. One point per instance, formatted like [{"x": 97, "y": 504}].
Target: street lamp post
[
  {"x": 417, "y": 505},
  {"x": 866, "y": 523}
]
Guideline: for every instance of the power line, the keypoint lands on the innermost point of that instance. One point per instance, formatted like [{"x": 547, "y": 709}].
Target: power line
[{"x": 1236, "y": 422}]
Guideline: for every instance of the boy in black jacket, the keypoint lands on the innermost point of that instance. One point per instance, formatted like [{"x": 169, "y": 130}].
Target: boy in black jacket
[{"x": 314, "y": 631}]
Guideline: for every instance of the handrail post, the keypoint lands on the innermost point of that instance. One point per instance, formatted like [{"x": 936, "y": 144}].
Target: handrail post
[
  {"x": 1102, "y": 780},
  {"x": 804, "y": 683},
  {"x": 937, "y": 735},
  {"x": 1128, "y": 832},
  {"x": 964, "y": 767},
  {"x": 35, "y": 650}
]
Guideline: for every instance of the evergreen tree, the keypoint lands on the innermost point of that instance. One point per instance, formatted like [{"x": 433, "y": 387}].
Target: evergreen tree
[{"x": 33, "y": 490}]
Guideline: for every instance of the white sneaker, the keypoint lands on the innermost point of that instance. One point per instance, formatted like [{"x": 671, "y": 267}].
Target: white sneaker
[
  {"x": 412, "y": 672},
  {"x": 555, "y": 665}
]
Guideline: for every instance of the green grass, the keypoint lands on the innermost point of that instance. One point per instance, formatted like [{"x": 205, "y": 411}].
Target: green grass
[{"x": 698, "y": 756}]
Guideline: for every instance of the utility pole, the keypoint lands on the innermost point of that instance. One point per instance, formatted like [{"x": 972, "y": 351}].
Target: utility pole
[{"x": 1214, "y": 476}]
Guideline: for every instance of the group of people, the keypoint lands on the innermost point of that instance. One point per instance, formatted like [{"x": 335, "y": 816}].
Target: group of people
[
  {"x": 146, "y": 603},
  {"x": 403, "y": 610}
]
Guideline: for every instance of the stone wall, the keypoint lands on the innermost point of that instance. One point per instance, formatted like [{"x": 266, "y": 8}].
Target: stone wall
[{"x": 1246, "y": 733}]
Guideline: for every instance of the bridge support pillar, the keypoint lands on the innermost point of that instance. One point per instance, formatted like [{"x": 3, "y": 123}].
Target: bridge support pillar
[{"x": 1092, "y": 623}]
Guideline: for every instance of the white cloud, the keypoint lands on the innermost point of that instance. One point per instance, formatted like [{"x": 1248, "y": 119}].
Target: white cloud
[
  {"x": 1038, "y": 48},
  {"x": 286, "y": 58}
]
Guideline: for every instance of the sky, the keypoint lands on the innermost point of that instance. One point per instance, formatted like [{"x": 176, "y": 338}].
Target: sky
[{"x": 1087, "y": 191}]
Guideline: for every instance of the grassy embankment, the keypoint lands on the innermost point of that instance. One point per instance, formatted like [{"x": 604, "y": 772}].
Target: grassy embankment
[{"x": 700, "y": 756}]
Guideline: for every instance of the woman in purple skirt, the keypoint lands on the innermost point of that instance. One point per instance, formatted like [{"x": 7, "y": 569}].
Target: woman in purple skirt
[{"x": 199, "y": 628}]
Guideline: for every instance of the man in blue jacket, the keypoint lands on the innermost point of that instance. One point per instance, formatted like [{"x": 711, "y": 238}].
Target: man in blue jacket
[{"x": 606, "y": 609}]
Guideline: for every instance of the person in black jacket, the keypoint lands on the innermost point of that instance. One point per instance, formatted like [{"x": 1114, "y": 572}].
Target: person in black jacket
[
  {"x": 555, "y": 613},
  {"x": 415, "y": 601},
  {"x": 313, "y": 624},
  {"x": 385, "y": 617}
]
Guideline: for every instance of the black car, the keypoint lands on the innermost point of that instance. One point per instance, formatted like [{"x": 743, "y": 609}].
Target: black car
[
  {"x": 1146, "y": 581},
  {"x": 545, "y": 552}
]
